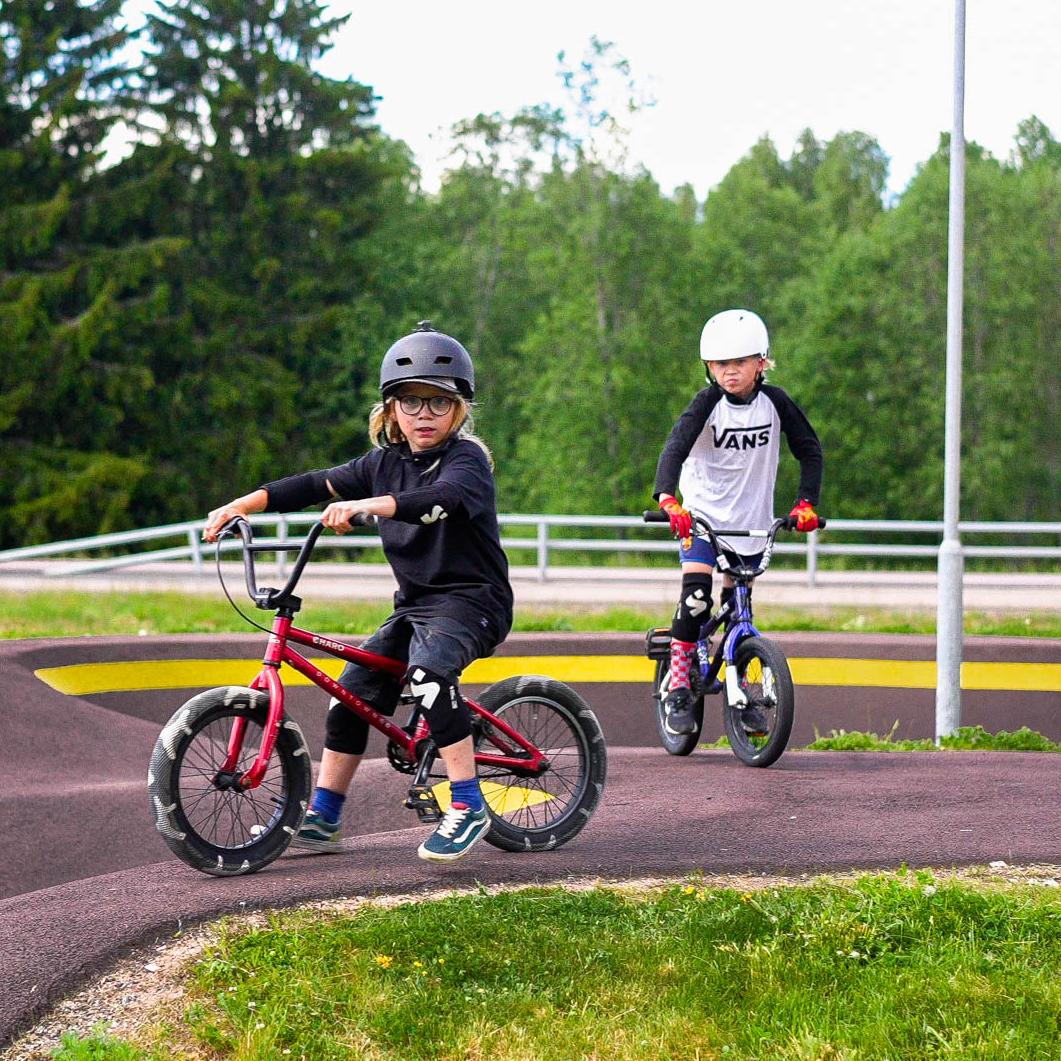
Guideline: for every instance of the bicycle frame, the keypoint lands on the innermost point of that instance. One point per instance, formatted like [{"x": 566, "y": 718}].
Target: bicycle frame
[
  {"x": 516, "y": 752},
  {"x": 736, "y": 617}
]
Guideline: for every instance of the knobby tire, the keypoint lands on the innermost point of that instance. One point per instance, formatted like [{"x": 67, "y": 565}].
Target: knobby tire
[{"x": 225, "y": 832}]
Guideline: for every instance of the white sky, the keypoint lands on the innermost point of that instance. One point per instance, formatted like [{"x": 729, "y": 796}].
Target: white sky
[{"x": 722, "y": 74}]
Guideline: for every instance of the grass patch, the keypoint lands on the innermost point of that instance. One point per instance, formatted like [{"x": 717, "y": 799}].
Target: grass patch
[
  {"x": 882, "y": 966},
  {"x": 73, "y": 613},
  {"x": 99, "y": 1046},
  {"x": 967, "y": 738}
]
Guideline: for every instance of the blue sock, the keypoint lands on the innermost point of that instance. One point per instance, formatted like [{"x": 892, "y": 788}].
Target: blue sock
[
  {"x": 328, "y": 804},
  {"x": 468, "y": 793}
]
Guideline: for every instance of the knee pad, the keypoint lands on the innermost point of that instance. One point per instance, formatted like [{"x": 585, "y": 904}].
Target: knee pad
[
  {"x": 440, "y": 702},
  {"x": 344, "y": 731},
  {"x": 694, "y": 607}
]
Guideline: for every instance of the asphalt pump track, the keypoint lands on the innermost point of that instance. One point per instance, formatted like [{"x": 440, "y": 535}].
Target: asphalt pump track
[{"x": 86, "y": 878}]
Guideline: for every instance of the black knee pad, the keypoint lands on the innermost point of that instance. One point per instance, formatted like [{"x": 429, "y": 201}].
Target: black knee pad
[
  {"x": 441, "y": 704},
  {"x": 694, "y": 607},
  {"x": 344, "y": 731}
]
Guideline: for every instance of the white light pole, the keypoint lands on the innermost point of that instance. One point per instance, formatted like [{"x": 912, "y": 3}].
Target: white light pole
[{"x": 951, "y": 561}]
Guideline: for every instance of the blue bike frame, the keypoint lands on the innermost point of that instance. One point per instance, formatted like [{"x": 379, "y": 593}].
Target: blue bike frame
[{"x": 741, "y": 628}]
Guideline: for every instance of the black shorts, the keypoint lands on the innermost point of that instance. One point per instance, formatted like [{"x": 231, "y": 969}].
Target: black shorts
[{"x": 438, "y": 643}]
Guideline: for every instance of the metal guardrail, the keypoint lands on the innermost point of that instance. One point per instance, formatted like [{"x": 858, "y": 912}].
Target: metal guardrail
[{"x": 543, "y": 543}]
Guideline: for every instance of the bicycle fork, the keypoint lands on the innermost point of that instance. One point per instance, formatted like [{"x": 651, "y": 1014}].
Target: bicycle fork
[
  {"x": 737, "y": 612},
  {"x": 267, "y": 681}
]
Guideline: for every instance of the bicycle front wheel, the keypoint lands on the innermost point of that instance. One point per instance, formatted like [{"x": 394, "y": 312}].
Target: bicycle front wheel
[
  {"x": 538, "y": 813},
  {"x": 215, "y": 828},
  {"x": 759, "y": 732}
]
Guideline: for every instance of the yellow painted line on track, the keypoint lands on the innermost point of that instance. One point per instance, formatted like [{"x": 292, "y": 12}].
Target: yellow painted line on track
[
  {"x": 85, "y": 679},
  {"x": 503, "y": 799},
  {"x": 876, "y": 673}
]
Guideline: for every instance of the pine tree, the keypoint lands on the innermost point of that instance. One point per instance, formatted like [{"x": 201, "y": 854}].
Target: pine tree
[
  {"x": 282, "y": 175},
  {"x": 68, "y": 279}
]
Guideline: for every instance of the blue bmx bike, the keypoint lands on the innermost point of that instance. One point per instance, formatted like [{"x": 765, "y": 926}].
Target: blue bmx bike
[{"x": 732, "y": 659}]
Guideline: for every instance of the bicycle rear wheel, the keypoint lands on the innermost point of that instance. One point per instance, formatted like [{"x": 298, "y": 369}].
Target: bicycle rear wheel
[
  {"x": 214, "y": 828},
  {"x": 543, "y": 812},
  {"x": 677, "y": 743},
  {"x": 764, "y": 677}
]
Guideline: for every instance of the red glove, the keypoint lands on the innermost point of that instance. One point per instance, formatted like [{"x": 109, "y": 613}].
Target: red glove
[
  {"x": 681, "y": 523},
  {"x": 805, "y": 516}
]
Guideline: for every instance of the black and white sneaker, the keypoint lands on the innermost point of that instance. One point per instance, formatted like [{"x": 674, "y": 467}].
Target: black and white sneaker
[{"x": 678, "y": 708}]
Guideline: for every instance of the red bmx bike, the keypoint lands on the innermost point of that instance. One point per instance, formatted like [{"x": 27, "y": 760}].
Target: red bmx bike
[{"x": 230, "y": 774}]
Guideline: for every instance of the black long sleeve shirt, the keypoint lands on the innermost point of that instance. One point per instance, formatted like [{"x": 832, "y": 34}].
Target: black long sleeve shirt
[{"x": 443, "y": 542}]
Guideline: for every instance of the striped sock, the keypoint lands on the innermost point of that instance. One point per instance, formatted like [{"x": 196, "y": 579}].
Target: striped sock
[
  {"x": 467, "y": 792},
  {"x": 681, "y": 654}
]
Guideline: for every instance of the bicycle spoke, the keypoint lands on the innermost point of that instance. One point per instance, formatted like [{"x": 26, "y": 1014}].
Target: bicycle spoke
[
  {"x": 228, "y": 819},
  {"x": 548, "y": 796}
]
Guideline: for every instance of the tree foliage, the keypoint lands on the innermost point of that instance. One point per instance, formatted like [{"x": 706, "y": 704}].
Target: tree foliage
[{"x": 209, "y": 310}]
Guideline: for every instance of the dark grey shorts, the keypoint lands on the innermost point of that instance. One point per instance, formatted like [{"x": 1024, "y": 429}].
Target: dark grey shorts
[{"x": 437, "y": 643}]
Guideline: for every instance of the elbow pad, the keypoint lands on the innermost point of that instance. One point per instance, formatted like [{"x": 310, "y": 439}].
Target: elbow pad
[{"x": 297, "y": 491}]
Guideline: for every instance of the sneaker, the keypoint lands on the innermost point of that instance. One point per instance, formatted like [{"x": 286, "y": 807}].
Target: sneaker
[
  {"x": 318, "y": 834},
  {"x": 680, "y": 717},
  {"x": 458, "y": 832},
  {"x": 755, "y": 723}
]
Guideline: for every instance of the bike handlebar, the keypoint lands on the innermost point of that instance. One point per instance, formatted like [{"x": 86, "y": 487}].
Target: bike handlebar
[
  {"x": 655, "y": 515},
  {"x": 701, "y": 526},
  {"x": 266, "y": 597}
]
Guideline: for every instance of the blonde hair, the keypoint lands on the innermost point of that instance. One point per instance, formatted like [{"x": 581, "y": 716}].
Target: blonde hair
[{"x": 383, "y": 429}]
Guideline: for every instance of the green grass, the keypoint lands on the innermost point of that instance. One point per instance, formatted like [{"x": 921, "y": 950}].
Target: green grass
[
  {"x": 99, "y": 1046},
  {"x": 71, "y": 614},
  {"x": 884, "y": 966},
  {"x": 967, "y": 738}
]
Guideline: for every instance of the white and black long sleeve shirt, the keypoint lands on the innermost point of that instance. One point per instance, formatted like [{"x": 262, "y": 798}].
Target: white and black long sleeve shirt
[
  {"x": 721, "y": 457},
  {"x": 443, "y": 541}
]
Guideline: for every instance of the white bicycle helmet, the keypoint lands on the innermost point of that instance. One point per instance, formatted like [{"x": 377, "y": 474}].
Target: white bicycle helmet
[{"x": 734, "y": 333}]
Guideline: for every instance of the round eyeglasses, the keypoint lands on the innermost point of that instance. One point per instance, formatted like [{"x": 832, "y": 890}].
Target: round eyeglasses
[{"x": 439, "y": 404}]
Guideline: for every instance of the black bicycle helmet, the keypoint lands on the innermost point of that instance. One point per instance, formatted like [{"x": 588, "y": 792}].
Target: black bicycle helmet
[{"x": 428, "y": 356}]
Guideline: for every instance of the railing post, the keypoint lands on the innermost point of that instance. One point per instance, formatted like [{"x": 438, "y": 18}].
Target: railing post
[
  {"x": 543, "y": 550},
  {"x": 812, "y": 557},
  {"x": 281, "y": 558},
  {"x": 195, "y": 549}
]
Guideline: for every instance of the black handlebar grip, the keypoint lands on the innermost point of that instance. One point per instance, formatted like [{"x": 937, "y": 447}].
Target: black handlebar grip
[
  {"x": 654, "y": 515},
  {"x": 363, "y": 519},
  {"x": 790, "y": 523},
  {"x": 236, "y": 527}
]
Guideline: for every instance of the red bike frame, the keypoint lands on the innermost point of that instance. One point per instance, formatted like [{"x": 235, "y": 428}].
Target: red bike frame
[{"x": 521, "y": 754}]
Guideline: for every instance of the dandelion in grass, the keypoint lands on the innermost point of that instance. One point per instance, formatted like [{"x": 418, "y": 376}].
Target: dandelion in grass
[
  {"x": 384, "y": 961},
  {"x": 689, "y": 890}
]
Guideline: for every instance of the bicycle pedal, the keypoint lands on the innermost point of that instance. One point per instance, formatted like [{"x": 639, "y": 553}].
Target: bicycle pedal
[{"x": 422, "y": 800}]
